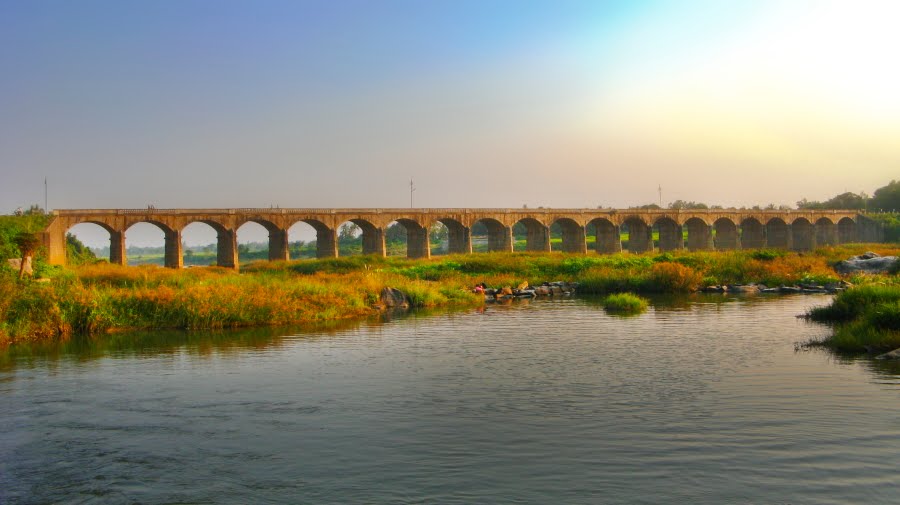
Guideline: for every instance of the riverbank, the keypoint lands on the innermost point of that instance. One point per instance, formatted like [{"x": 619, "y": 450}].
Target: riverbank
[
  {"x": 98, "y": 298},
  {"x": 866, "y": 318}
]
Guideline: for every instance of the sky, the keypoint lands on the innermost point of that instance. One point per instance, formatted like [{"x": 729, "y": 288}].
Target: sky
[{"x": 339, "y": 103}]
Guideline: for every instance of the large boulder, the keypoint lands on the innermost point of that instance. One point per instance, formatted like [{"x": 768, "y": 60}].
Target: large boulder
[
  {"x": 895, "y": 354},
  {"x": 869, "y": 263},
  {"x": 394, "y": 298}
]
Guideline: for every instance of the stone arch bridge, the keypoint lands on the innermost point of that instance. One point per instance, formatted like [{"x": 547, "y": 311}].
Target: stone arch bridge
[{"x": 706, "y": 229}]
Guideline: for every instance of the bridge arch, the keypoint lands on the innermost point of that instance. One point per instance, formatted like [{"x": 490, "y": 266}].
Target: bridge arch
[
  {"x": 459, "y": 238},
  {"x": 726, "y": 234},
  {"x": 640, "y": 234},
  {"x": 326, "y": 236},
  {"x": 803, "y": 235},
  {"x": 171, "y": 239},
  {"x": 413, "y": 234},
  {"x": 277, "y": 237},
  {"x": 753, "y": 233},
  {"x": 360, "y": 234},
  {"x": 699, "y": 234},
  {"x": 778, "y": 233},
  {"x": 826, "y": 232},
  {"x": 94, "y": 231},
  {"x": 535, "y": 233},
  {"x": 847, "y": 231},
  {"x": 607, "y": 239},
  {"x": 572, "y": 235},
  {"x": 197, "y": 235},
  {"x": 499, "y": 236}
]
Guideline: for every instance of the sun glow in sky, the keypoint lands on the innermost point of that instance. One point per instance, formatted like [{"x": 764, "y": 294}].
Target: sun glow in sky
[{"x": 490, "y": 104}]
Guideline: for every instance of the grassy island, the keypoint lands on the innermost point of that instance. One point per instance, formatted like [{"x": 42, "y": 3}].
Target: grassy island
[{"x": 867, "y": 318}]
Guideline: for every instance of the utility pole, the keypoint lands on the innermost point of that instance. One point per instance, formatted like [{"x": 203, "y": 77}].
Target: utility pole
[
  {"x": 660, "y": 195},
  {"x": 412, "y": 188},
  {"x": 46, "y": 207}
]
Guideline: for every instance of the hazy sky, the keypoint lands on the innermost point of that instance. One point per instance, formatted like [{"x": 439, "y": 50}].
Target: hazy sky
[{"x": 486, "y": 103}]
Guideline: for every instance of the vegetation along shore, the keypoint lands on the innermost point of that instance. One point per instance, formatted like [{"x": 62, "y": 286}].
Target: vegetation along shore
[{"x": 96, "y": 297}]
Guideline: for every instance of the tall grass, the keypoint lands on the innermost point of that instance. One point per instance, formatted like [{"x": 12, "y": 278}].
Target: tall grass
[
  {"x": 100, "y": 297},
  {"x": 625, "y": 302},
  {"x": 868, "y": 319}
]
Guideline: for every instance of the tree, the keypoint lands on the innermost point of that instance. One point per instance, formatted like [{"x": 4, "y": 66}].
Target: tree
[
  {"x": 27, "y": 244},
  {"x": 887, "y": 198},
  {"x": 348, "y": 231},
  {"x": 681, "y": 204}
]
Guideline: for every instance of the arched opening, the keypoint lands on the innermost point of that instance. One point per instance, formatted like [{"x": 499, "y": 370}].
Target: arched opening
[
  {"x": 151, "y": 243},
  {"x": 571, "y": 235},
  {"x": 826, "y": 232},
  {"x": 88, "y": 241},
  {"x": 531, "y": 235},
  {"x": 753, "y": 234},
  {"x": 260, "y": 240},
  {"x": 491, "y": 235},
  {"x": 310, "y": 238},
  {"x": 458, "y": 239},
  {"x": 725, "y": 234},
  {"x": 640, "y": 235},
  {"x": 847, "y": 230},
  {"x": 358, "y": 236},
  {"x": 200, "y": 243},
  {"x": 671, "y": 234},
  {"x": 803, "y": 235},
  {"x": 778, "y": 234},
  {"x": 607, "y": 238},
  {"x": 699, "y": 234},
  {"x": 405, "y": 237}
]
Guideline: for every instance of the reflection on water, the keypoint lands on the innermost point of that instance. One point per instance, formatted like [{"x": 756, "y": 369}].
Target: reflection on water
[{"x": 701, "y": 399}]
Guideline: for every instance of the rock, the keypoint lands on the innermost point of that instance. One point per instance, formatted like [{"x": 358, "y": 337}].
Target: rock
[
  {"x": 713, "y": 289},
  {"x": 867, "y": 263},
  {"x": 789, "y": 289},
  {"x": 523, "y": 286},
  {"x": 771, "y": 290},
  {"x": 555, "y": 290},
  {"x": 743, "y": 288},
  {"x": 895, "y": 354},
  {"x": 394, "y": 298},
  {"x": 16, "y": 263},
  {"x": 542, "y": 291},
  {"x": 505, "y": 291}
]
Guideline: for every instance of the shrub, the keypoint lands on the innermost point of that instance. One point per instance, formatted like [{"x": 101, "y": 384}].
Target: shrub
[
  {"x": 673, "y": 278},
  {"x": 625, "y": 302}
]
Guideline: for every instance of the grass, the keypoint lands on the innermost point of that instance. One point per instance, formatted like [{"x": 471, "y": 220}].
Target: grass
[
  {"x": 96, "y": 298},
  {"x": 625, "y": 303},
  {"x": 867, "y": 317}
]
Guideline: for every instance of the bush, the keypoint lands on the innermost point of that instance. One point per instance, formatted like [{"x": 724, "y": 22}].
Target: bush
[
  {"x": 625, "y": 302},
  {"x": 673, "y": 278}
]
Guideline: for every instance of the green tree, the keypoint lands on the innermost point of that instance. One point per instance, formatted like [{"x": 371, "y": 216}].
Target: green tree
[{"x": 887, "y": 198}]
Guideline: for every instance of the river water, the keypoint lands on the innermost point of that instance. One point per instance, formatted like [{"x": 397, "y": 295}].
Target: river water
[{"x": 699, "y": 400}]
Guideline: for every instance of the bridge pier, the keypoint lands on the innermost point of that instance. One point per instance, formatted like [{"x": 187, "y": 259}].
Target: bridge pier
[
  {"x": 278, "y": 245},
  {"x": 640, "y": 236},
  {"x": 459, "y": 240},
  {"x": 574, "y": 239},
  {"x": 609, "y": 237},
  {"x": 671, "y": 235},
  {"x": 173, "y": 258},
  {"x": 500, "y": 239},
  {"x": 726, "y": 236},
  {"x": 826, "y": 232},
  {"x": 538, "y": 238},
  {"x": 778, "y": 234},
  {"x": 699, "y": 235},
  {"x": 226, "y": 249},
  {"x": 417, "y": 243},
  {"x": 803, "y": 235},
  {"x": 373, "y": 242},
  {"x": 326, "y": 243},
  {"x": 117, "y": 247},
  {"x": 753, "y": 235}
]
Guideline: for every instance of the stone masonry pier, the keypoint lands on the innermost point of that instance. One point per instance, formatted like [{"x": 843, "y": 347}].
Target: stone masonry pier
[{"x": 706, "y": 229}]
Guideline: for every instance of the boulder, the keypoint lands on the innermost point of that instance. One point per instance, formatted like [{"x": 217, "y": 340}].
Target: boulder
[
  {"x": 394, "y": 298},
  {"x": 16, "y": 263},
  {"x": 743, "y": 288},
  {"x": 869, "y": 263},
  {"x": 542, "y": 291},
  {"x": 895, "y": 354}
]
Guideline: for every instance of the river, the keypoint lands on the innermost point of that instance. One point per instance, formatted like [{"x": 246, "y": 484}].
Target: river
[{"x": 702, "y": 399}]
